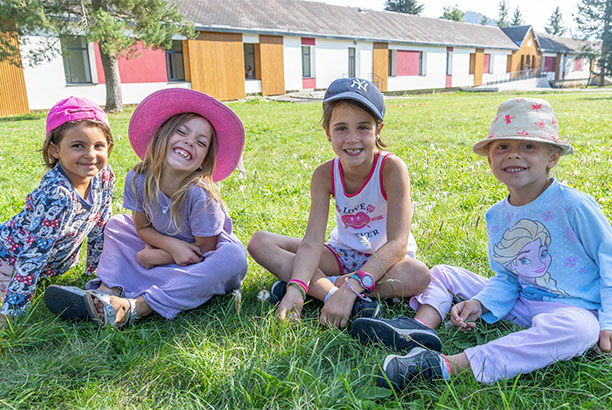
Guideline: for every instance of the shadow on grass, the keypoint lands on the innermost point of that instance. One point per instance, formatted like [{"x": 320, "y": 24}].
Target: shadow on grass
[
  {"x": 609, "y": 98},
  {"x": 24, "y": 117}
]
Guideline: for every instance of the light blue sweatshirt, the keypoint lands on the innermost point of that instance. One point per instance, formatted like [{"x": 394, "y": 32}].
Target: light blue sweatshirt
[{"x": 557, "y": 248}]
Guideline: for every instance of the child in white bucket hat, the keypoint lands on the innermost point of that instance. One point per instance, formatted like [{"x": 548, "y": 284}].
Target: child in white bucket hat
[{"x": 550, "y": 248}]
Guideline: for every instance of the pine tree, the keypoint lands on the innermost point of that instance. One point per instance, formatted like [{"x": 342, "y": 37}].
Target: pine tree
[
  {"x": 484, "y": 20},
  {"x": 503, "y": 14},
  {"x": 452, "y": 13},
  {"x": 404, "y": 6},
  {"x": 114, "y": 24},
  {"x": 594, "y": 20},
  {"x": 517, "y": 18},
  {"x": 555, "y": 24}
]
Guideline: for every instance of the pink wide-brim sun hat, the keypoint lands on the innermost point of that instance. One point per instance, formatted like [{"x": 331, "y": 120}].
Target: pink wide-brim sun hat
[{"x": 158, "y": 107}]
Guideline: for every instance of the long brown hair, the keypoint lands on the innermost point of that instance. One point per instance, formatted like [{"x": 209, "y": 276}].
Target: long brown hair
[{"x": 153, "y": 163}]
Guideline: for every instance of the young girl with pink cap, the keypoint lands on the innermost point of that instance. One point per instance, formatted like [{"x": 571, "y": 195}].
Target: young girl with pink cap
[
  {"x": 177, "y": 248},
  {"x": 72, "y": 202},
  {"x": 371, "y": 191}
]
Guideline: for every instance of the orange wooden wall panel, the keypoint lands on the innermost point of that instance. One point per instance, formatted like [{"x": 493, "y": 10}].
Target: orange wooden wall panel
[
  {"x": 272, "y": 65},
  {"x": 380, "y": 65},
  {"x": 216, "y": 65},
  {"x": 13, "y": 96},
  {"x": 478, "y": 66}
]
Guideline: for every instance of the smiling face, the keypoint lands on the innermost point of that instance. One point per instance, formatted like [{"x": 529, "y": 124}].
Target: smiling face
[
  {"x": 532, "y": 261},
  {"x": 82, "y": 152},
  {"x": 188, "y": 146},
  {"x": 522, "y": 166},
  {"x": 352, "y": 132}
]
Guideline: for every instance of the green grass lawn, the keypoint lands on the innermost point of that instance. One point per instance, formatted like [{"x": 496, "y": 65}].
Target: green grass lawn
[{"x": 233, "y": 354}]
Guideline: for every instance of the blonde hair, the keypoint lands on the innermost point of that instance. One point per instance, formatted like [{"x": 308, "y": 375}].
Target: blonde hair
[
  {"x": 328, "y": 110},
  {"x": 514, "y": 239},
  {"x": 153, "y": 163},
  {"x": 57, "y": 134}
]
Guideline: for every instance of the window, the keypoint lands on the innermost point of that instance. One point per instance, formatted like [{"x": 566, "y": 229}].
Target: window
[
  {"x": 550, "y": 64},
  {"x": 410, "y": 63},
  {"x": 472, "y": 63},
  {"x": 392, "y": 63},
  {"x": 351, "y": 62},
  {"x": 449, "y": 63},
  {"x": 306, "y": 62},
  {"x": 249, "y": 61},
  {"x": 76, "y": 60},
  {"x": 486, "y": 67},
  {"x": 421, "y": 63},
  {"x": 174, "y": 62}
]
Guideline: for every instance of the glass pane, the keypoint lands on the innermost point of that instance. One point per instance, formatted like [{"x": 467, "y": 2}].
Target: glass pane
[
  {"x": 177, "y": 70},
  {"x": 306, "y": 61},
  {"x": 249, "y": 61}
]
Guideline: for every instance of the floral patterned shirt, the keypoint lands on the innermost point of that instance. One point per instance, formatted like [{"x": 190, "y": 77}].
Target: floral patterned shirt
[{"x": 43, "y": 240}]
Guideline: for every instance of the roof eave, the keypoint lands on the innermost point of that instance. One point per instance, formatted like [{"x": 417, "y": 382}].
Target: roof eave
[{"x": 275, "y": 32}]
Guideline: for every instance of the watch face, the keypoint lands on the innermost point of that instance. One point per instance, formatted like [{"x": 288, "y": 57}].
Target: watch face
[{"x": 368, "y": 281}]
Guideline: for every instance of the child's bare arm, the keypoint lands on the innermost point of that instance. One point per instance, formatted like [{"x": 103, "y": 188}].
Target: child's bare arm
[
  {"x": 183, "y": 253},
  {"x": 309, "y": 251},
  {"x": 396, "y": 183}
]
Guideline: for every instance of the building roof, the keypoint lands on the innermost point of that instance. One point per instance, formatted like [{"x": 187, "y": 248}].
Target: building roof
[
  {"x": 314, "y": 19},
  {"x": 557, "y": 44},
  {"x": 516, "y": 33}
]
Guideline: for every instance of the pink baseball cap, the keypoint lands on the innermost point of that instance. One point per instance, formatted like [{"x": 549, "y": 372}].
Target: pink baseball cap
[
  {"x": 160, "y": 106},
  {"x": 74, "y": 109}
]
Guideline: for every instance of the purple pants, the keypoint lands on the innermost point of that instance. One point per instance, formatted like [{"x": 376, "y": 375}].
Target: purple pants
[
  {"x": 167, "y": 289},
  {"x": 555, "y": 331}
]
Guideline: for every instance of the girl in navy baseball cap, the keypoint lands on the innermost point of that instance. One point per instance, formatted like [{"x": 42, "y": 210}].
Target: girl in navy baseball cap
[{"x": 370, "y": 253}]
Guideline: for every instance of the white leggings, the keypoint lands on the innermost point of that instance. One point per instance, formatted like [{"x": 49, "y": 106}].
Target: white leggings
[{"x": 555, "y": 331}]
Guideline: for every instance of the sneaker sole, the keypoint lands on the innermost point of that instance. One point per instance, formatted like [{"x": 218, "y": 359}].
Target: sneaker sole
[
  {"x": 66, "y": 302},
  {"x": 369, "y": 330}
]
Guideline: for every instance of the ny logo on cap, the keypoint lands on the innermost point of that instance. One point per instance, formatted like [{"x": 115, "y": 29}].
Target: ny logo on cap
[{"x": 362, "y": 85}]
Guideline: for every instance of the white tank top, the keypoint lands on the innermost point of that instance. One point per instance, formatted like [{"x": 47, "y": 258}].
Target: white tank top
[{"x": 364, "y": 213}]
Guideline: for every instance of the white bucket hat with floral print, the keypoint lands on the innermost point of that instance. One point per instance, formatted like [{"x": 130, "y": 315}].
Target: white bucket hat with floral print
[{"x": 528, "y": 119}]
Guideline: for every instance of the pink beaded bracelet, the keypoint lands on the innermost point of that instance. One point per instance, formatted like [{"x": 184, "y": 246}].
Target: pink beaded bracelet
[{"x": 300, "y": 284}]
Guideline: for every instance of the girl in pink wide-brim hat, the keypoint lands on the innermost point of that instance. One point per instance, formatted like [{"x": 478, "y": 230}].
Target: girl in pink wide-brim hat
[{"x": 177, "y": 249}]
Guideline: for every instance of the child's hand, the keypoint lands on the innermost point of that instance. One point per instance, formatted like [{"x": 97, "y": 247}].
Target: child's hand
[
  {"x": 184, "y": 253},
  {"x": 290, "y": 306},
  {"x": 337, "y": 310},
  {"x": 605, "y": 341},
  {"x": 150, "y": 257},
  {"x": 464, "y": 313}
]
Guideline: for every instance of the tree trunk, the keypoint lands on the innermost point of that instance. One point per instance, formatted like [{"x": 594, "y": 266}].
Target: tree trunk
[
  {"x": 114, "y": 99},
  {"x": 605, "y": 40}
]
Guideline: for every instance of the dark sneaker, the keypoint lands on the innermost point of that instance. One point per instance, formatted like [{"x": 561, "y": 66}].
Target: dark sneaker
[
  {"x": 361, "y": 307},
  {"x": 366, "y": 308},
  {"x": 399, "y": 371},
  {"x": 400, "y": 333},
  {"x": 277, "y": 291}
]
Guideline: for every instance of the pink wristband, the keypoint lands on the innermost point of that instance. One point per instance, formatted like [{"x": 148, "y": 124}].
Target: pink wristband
[{"x": 300, "y": 284}]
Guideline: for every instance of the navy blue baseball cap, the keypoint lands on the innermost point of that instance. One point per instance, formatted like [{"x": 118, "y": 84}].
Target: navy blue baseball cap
[{"x": 359, "y": 90}]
